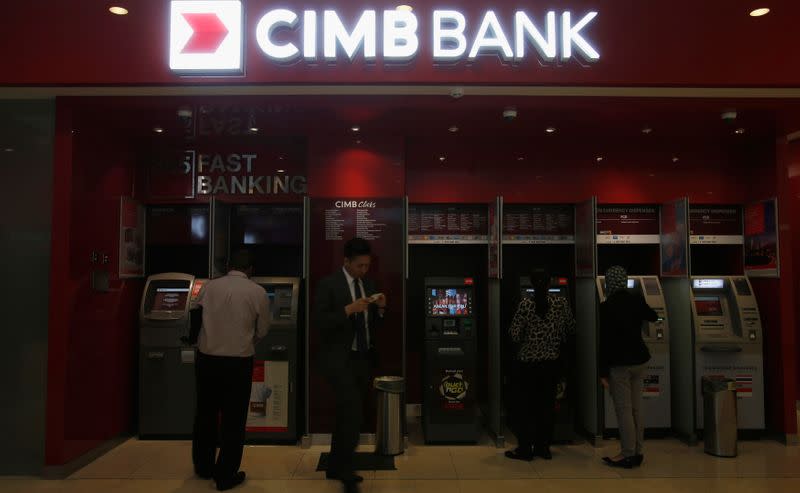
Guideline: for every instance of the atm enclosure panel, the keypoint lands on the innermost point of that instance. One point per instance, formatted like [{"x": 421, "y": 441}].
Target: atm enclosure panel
[
  {"x": 280, "y": 346},
  {"x": 728, "y": 343}
]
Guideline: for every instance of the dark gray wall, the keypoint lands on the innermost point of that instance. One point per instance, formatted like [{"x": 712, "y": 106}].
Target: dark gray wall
[{"x": 26, "y": 176}]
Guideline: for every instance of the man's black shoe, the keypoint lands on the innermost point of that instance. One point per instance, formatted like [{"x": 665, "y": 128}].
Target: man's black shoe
[{"x": 230, "y": 483}]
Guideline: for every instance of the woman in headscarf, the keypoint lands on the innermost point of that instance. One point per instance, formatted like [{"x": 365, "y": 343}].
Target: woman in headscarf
[
  {"x": 623, "y": 354},
  {"x": 541, "y": 324}
]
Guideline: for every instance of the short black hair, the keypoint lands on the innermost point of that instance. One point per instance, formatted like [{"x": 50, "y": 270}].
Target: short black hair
[
  {"x": 241, "y": 260},
  {"x": 356, "y": 247}
]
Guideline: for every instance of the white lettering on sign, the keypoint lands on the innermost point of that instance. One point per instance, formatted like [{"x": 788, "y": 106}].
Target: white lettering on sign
[
  {"x": 215, "y": 176},
  {"x": 202, "y": 33},
  {"x": 352, "y": 204}
]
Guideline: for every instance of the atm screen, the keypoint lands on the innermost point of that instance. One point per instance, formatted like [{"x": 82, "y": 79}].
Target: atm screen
[
  {"x": 170, "y": 299},
  {"x": 708, "y": 283},
  {"x": 449, "y": 302},
  {"x": 280, "y": 299},
  {"x": 529, "y": 292},
  {"x": 708, "y": 306},
  {"x": 631, "y": 284}
]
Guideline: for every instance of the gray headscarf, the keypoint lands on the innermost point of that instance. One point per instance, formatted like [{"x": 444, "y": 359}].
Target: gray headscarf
[{"x": 616, "y": 279}]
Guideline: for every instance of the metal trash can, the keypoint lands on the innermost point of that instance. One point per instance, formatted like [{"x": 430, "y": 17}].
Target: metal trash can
[
  {"x": 719, "y": 416},
  {"x": 390, "y": 430}
]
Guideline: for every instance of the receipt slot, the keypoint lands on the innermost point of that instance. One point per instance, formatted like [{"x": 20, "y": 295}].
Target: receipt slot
[
  {"x": 656, "y": 386},
  {"x": 728, "y": 343},
  {"x": 449, "y": 401}
]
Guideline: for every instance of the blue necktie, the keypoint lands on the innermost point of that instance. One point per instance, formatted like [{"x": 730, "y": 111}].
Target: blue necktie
[{"x": 361, "y": 322}]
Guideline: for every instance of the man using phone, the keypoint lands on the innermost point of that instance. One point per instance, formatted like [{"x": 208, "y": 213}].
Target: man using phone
[{"x": 347, "y": 310}]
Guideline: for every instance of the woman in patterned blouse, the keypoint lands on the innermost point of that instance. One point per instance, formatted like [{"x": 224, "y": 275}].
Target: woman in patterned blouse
[{"x": 540, "y": 326}]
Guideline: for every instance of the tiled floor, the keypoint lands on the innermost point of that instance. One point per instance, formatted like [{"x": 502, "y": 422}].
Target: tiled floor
[{"x": 165, "y": 467}]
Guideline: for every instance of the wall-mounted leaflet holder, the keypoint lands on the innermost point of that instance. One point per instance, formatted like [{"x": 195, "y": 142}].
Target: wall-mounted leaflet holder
[{"x": 100, "y": 280}]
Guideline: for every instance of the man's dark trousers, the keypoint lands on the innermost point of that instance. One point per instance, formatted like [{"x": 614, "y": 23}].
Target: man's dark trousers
[
  {"x": 349, "y": 388},
  {"x": 223, "y": 399}
]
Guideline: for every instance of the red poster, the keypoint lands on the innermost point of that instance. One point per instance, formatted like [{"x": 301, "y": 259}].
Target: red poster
[
  {"x": 761, "y": 239},
  {"x": 131, "y": 238},
  {"x": 674, "y": 245},
  {"x": 715, "y": 225},
  {"x": 628, "y": 224}
]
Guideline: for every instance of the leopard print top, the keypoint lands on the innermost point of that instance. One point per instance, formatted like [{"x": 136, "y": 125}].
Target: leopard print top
[{"x": 540, "y": 339}]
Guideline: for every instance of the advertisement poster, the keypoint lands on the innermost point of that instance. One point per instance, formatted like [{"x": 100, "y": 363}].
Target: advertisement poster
[
  {"x": 131, "y": 238},
  {"x": 545, "y": 224},
  {"x": 448, "y": 224},
  {"x": 269, "y": 397},
  {"x": 761, "y": 257},
  {"x": 715, "y": 225},
  {"x": 454, "y": 390},
  {"x": 627, "y": 225},
  {"x": 674, "y": 246}
]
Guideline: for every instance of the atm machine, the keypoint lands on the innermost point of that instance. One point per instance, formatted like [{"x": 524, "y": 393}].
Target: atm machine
[
  {"x": 564, "y": 429},
  {"x": 166, "y": 358},
  {"x": 273, "y": 411},
  {"x": 728, "y": 343},
  {"x": 449, "y": 402},
  {"x": 657, "y": 406}
]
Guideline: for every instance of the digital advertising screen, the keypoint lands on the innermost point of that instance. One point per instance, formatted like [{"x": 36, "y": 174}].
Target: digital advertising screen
[{"x": 449, "y": 302}]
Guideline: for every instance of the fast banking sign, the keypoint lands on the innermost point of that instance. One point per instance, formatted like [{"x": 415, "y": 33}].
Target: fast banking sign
[{"x": 207, "y": 36}]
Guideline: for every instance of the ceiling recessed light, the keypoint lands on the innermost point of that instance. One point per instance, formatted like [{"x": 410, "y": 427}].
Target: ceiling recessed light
[
  {"x": 358, "y": 141},
  {"x": 651, "y": 175},
  {"x": 550, "y": 130},
  {"x": 739, "y": 131},
  {"x": 118, "y": 10},
  {"x": 158, "y": 130},
  {"x": 759, "y": 12},
  {"x": 521, "y": 158},
  {"x": 442, "y": 158},
  {"x": 355, "y": 128},
  {"x": 8, "y": 149},
  {"x": 281, "y": 158},
  {"x": 675, "y": 159},
  {"x": 281, "y": 170},
  {"x": 453, "y": 129},
  {"x": 405, "y": 8},
  {"x": 599, "y": 159},
  {"x": 254, "y": 129},
  {"x": 647, "y": 130}
]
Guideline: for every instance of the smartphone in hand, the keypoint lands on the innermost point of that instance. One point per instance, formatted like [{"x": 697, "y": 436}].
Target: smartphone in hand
[{"x": 374, "y": 297}]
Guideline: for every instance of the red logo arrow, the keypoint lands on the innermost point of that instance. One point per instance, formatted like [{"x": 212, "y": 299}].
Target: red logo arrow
[{"x": 209, "y": 33}]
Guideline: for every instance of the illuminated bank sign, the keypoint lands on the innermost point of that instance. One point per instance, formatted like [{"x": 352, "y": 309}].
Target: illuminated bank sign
[{"x": 206, "y": 36}]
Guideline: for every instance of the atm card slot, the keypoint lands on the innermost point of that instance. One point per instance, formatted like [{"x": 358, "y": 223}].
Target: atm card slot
[
  {"x": 721, "y": 349},
  {"x": 450, "y": 351}
]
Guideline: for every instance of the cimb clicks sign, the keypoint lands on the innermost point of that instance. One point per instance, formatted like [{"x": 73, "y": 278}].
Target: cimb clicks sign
[{"x": 206, "y": 36}]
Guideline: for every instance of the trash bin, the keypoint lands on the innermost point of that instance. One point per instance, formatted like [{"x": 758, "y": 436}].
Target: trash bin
[
  {"x": 719, "y": 416},
  {"x": 390, "y": 431}
]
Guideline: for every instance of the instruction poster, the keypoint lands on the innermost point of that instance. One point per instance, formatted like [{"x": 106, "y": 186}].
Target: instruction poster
[
  {"x": 269, "y": 397},
  {"x": 761, "y": 239}
]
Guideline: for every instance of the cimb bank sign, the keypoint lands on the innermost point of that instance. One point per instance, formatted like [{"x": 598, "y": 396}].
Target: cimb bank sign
[{"x": 206, "y": 36}]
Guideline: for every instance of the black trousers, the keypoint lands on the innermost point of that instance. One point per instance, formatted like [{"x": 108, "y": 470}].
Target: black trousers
[
  {"x": 223, "y": 399},
  {"x": 533, "y": 400},
  {"x": 349, "y": 389}
]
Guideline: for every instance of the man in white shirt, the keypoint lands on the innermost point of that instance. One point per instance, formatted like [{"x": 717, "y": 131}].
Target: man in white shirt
[
  {"x": 235, "y": 315},
  {"x": 347, "y": 309}
]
